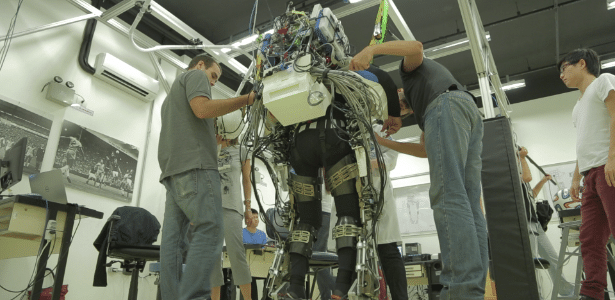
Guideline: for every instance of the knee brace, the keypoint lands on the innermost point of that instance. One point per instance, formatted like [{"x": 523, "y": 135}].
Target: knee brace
[
  {"x": 341, "y": 177},
  {"x": 305, "y": 188},
  {"x": 345, "y": 232},
  {"x": 302, "y": 240}
]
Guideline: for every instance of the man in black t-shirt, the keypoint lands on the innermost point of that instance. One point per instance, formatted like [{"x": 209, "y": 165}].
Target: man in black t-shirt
[{"x": 452, "y": 141}]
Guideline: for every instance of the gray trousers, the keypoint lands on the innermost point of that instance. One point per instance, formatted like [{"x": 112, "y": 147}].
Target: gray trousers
[
  {"x": 233, "y": 236},
  {"x": 546, "y": 251}
]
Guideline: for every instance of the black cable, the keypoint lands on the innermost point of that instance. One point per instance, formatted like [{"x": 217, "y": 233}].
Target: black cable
[{"x": 9, "y": 36}]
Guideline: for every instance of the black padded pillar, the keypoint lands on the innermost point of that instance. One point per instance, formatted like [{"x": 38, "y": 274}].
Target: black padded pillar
[{"x": 509, "y": 241}]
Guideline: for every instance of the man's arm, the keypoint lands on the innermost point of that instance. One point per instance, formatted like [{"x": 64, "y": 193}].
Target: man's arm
[
  {"x": 413, "y": 149},
  {"x": 247, "y": 189},
  {"x": 205, "y": 108},
  {"x": 609, "y": 168},
  {"x": 540, "y": 184},
  {"x": 526, "y": 175},
  {"x": 412, "y": 51}
]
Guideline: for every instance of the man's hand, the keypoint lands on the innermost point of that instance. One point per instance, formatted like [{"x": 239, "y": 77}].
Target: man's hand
[
  {"x": 391, "y": 125},
  {"x": 379, "y": 139},
  {"x": 523, "y": 152},
  {"x": 547, "y": 178},
  {"x": 362, "y": 60},
  {"x": 248, "y": 217},
  {"x": 251, "y": 98},
  {"x": 575, "y": 188},
  {"x": 609, "y": 172},
  {"x": 219, "y": 139}
]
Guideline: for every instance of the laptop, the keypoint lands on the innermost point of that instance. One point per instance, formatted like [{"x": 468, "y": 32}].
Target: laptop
[{"x": 49, "y": 185}]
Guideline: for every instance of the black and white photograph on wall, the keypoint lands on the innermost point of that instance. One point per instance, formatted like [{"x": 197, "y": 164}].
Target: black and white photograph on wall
[
  {"x": 95, "y": 163},
  {"x": 17, "y": 123}
]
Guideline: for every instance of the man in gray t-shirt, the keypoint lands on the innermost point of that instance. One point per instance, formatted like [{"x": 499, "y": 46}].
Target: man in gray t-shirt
[{"x": 187, "y": 154}]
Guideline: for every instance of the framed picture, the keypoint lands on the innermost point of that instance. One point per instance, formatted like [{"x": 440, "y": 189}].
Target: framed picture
[
  {"x": 16, "y": 123},
  {"x": 95, "y": 163},
  {"x": 414, "y": 210}
]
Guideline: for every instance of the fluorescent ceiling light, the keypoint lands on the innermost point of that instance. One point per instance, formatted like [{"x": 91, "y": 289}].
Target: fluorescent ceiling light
[
  {"x": 451, "y": 48},
  {"x": 353, "y": 1},
  {"x": 238, "y": 65},
  {"x": 515, "y": 84},
  {"x": 438, "y": 51},
  {"x": 610, "y": 4},
  {"x": 245, "y": 41},
  {"x": 609, "y": 63}
]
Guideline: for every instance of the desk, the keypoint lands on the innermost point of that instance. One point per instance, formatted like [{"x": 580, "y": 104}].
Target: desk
[
  {"x": 22, "y": 221},
  {"x": 259, "y": 258},
  {"x": 426, "y": 272}
]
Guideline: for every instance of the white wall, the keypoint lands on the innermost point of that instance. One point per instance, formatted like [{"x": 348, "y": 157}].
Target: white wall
[{"x": 31, "y": 62}]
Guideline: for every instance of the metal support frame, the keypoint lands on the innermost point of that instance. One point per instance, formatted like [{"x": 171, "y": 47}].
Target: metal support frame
[
  {"x": 117, "y": 10},
  {"x": 399, "y": 22},
  {"x": 163, "y": 78},
  {"x": 142, "y": 39},
  {"x": 565, "y": 256},
  {"x": 483, "y": 60},
  {"x": 54, "y": 25}
]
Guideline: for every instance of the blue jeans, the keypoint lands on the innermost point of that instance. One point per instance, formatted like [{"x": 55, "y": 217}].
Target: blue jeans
[
  {"x": 325, "y": 280},
  {"x": 453, "y": 141},
  {"x": 192, "y": 197}
]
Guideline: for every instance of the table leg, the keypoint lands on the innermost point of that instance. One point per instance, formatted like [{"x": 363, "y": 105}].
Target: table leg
[{"x": 66, "y": 240}]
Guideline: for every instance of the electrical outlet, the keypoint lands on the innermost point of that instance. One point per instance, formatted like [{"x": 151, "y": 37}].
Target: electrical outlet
[{"x": 51, "y": 229}]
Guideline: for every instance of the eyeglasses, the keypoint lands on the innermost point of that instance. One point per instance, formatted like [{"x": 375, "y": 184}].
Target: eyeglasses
[{"x": 563, "y": 67}]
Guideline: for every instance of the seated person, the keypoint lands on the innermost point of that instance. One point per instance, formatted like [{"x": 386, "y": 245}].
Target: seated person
[{"x": 252, "y": 235}]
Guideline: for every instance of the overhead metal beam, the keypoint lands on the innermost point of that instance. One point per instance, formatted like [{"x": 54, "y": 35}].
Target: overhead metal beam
[
  {"x": 399, "y": 22},
  {"x": 143, "y": 40},
  {"x": 350, "y": 9},
  {"x": 182, "y": 28},
  {"x": 117, "y": 10},
  {"x": 484, "y": 63},
  {"x": 438, "y": 51},
  {"x": 52, "y": 25}
]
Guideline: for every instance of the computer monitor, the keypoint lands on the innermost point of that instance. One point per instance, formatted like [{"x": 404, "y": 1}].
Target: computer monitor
[{"x": 12, "y": 165}]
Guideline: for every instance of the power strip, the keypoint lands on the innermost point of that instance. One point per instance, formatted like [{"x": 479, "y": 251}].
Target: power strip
[
  {"x": 82, "y": 109},
  {"x": 51, "y": 229}
]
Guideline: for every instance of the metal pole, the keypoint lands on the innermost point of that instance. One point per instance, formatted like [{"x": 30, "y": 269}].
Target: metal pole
[
  {"x": 162, "y": 78},
  {"x": 52, "y": 25},
  {"x": 245, "y": 78}
]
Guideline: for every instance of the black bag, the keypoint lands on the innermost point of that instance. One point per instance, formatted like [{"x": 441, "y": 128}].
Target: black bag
[{"x": 544, "y": 212}]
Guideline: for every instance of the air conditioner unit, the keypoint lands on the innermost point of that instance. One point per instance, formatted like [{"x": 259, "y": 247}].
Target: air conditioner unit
[{"x": 125, "y": 77}]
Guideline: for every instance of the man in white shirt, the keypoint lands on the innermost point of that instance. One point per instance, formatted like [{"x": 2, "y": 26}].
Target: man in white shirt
[{"x": 594, "y": 119}]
